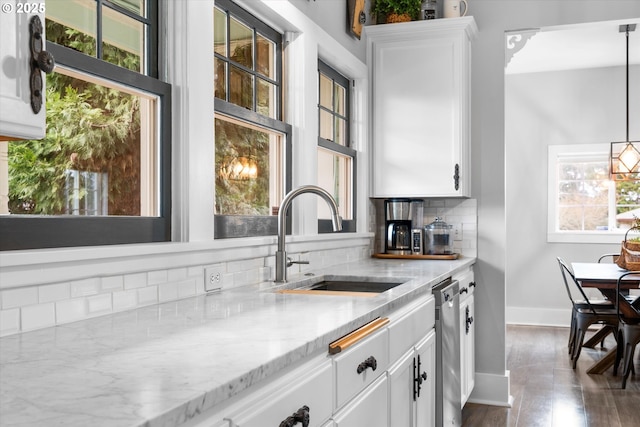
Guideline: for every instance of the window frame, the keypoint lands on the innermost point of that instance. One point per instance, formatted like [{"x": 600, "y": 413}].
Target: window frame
[
  {"x": 238, "y": 226},
  {"x": 348, "y": 225},
  {"x": 574, "y": 236},
  {"x": 21, "y": 232}
]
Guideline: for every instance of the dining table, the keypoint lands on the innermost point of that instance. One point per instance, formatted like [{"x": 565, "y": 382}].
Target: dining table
[{"x": 604, "y": 277}]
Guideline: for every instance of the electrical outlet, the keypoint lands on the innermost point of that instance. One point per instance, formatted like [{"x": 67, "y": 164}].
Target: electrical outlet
[
  {"x": 213, "y": 278},
  {"x": 457, "y": 231}
]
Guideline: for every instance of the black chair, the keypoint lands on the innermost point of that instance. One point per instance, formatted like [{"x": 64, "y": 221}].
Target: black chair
[
  {"x": 613, "y": 257},
  {"x": 628, "y": 331},
  {"x": 585, "y": 313}
]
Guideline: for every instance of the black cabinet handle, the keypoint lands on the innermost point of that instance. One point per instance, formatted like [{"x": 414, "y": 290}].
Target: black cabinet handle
[
  {"x": 418, "y": 379},
  {"x": 469, "y": 320},
  {"x": 456, "y": 176},
  {"x": 40, "y": 60},
  {"x": 464, "y": 291},
  {"x": 300, "y": 416},
  {"x": 472, "y": 284},
  {"x": 370, "y": 362}
]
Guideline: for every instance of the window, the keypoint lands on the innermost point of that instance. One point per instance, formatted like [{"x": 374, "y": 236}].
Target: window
[
  {"x": 102, "y": 173},
  {"x": 336, "y": 159},
  {"x": 584, "y": 205},
  {"x": 252, "y": 143}
]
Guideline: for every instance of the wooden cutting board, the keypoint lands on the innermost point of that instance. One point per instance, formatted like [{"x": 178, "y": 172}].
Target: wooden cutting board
[{"x": 393, "y": 256}]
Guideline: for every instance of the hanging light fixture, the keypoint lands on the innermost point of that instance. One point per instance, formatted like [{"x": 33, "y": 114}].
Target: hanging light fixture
[{"x": 625, "y": 156}]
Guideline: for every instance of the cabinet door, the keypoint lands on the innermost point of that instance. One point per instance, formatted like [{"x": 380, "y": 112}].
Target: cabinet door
[
  {"x": 369, "y": 408},
  {"x": 311, "y": 386},
  {"x": 420, "y": 112},
  {"x": 426, "y": 402},
  {"x": 350, "y": 378},
  {"x": 401, "y": 407},
  {"x": 17, "y": 119},
  {"x": 467, "y": 348}
]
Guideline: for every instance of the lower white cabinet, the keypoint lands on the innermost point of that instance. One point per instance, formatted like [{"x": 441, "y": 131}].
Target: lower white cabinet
[
  {"x": 384, "y": 378},
  {"x": 302, "y": 394},
  {"x": 467, "y": 335},
  {"x": 360, "y": 365},
  {"x": 369, "y": 408},
  {"x": 412, "y": 382}
]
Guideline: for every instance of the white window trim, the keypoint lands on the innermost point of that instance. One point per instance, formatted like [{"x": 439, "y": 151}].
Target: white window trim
[
  {"x": 305, "y": 43},
  {"x": 555, "y": 236}
]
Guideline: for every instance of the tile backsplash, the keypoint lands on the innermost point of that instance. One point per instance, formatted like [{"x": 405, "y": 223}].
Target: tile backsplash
[
  {"x": 452, "y": 211},
  {"x": 27, "y": 308},
  {"x": 44, "y": 303}
]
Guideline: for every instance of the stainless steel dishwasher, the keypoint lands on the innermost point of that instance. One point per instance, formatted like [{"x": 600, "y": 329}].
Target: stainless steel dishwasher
[{"x": 448, "y": 388}]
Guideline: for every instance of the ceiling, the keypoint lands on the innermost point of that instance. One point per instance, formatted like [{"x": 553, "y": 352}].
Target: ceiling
[{"x": 568, "y": 47}]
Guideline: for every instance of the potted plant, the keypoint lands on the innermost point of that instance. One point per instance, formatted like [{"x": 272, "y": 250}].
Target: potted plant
[{"x": 396, "y": 10}]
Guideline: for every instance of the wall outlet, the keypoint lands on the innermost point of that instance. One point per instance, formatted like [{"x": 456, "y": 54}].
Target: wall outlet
[
  {"x": 213, "y": 278},
  {"x": 457, "y": 231}
]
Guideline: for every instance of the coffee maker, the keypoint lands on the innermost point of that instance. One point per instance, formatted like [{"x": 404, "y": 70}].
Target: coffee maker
[{"x": 397, "y": 240}]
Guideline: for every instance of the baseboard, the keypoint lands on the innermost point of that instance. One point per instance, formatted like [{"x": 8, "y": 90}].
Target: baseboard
[
  {"x": 491, "y": 389},
  {"x": 538, "y": 316}
]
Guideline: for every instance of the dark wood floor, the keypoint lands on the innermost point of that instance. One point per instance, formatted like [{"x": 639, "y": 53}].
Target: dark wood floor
[{"x": 548, "y": 392}]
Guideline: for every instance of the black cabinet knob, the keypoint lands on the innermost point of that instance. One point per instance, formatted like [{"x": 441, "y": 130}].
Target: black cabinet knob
[
  {"x": 300, "y": 416},
  {"x": 370, "y": 362},
  {"x": 46, "y": 62}
]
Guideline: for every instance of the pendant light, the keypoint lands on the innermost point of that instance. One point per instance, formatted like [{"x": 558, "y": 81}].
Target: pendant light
[{"x": 625, "y": 156}]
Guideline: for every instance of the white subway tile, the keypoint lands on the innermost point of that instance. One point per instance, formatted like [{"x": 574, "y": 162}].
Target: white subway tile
[
  {"x": 112, "y": 283},
  {"x": 37, "y": 316},
  {"x": 156, "y": 277},
  {"x": 148, "y": 295},
  {"x": 186, "y": 288},
  {"x": 134, "y": 281},
  {"x": 71, "y": 310},
  {"x": 244, "y": 264},
  {"x": 57, "y": 292},
  {"x": 176, "y": 274},
  {"x": 85, "y": 287},
  {"x": 99, "y": 304},
  {"x": 167, "y": 292},
  {"x": 124, "y": 300},
  {"x": 195, "y": 271},
  {"x": 12, "y": 298},
  {"x": 9, "y": 321}
]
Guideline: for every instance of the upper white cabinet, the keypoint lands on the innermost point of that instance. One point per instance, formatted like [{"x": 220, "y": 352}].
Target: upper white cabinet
[
  {"x": 17, "y": 117},
  {"x": 420, "y": 74}
]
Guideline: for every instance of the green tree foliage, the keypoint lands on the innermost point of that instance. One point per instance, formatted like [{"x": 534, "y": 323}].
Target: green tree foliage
[
  {"x": 89, "y": 128},
  {"x": 235, "y": 143}
]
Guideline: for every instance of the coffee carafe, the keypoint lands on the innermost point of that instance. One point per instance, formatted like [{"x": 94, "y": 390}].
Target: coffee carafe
[{"x": 398, "y": 226}]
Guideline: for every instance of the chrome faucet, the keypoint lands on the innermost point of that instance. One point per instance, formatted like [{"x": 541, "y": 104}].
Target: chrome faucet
[{"x": 281, "y": 255}]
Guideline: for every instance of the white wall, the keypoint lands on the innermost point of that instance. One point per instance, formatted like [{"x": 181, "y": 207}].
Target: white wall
[
  {"x": 494, "y": 17},
  {"x": 542, "y": 109}
]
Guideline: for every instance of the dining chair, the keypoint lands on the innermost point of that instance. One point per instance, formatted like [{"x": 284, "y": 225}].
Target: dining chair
[
  {"x": 628, "y": 332},
  {"x": 585, "y": 313},
  {"x": 632, "y": 298}
]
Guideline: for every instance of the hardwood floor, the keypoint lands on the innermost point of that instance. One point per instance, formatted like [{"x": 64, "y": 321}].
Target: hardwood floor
[{"x": 547, "y": 392}]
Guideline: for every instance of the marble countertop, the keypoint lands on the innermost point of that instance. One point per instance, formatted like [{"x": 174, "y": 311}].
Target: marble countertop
[{"x": 163, "y": 364}]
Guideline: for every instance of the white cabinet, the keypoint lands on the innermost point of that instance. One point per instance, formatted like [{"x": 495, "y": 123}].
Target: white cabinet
[
  {"x": 369, "y": 408},
  {"x": 17, "y": 118},
  {"x": 360, "y": 365},
  {"x": 354, "y": 387},
  {"x": 412, "y": 386},
  {"x": 426, "y": 370},
  {"x": 467, "y": 335},
  {"x": 307, "y": 392},
  {"x": 420, "y": 84}
]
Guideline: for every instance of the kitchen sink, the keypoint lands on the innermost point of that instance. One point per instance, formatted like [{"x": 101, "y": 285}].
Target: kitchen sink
[
  {"x": 353, "y": 286},
  {"x": 344, "y": 286}
]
